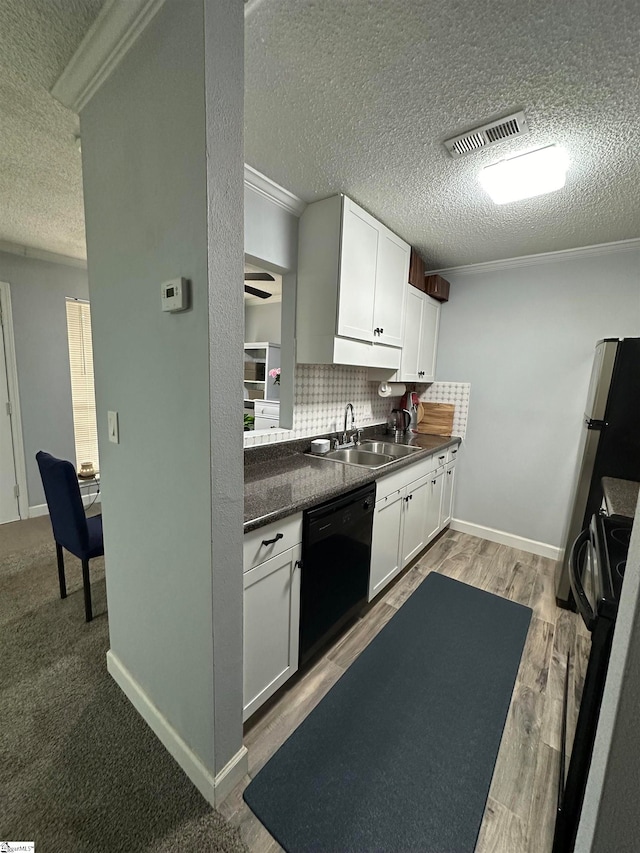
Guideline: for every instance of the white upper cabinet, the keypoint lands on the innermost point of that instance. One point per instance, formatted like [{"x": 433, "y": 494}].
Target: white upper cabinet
[
  {"x": 352, "y": 279},
  {"x": 422, "y": 320},
  {"x": 358, "y": 257},
  {"x": 391, "y": 287}
]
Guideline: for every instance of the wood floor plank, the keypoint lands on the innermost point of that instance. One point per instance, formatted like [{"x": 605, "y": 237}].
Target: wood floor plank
[
  {"x": 501, "y": 574},
  {"x": 501, "y": 831},
  {"x": 348, "y": 649},
  {"x": 541, "y": 818},
  {"x": 401, "y": 591},
  {"x": 254, "y": 834},
  {"x": 520, "y": 585},
  {"x": 512, "y": 783},
  {"x": 563, "y": 642},
  {"x": 543, "y": 596},
  {"x": 551, "y": 730},
  {"x": 433, "y": 557},
  {"x": 536, "y": 657}
]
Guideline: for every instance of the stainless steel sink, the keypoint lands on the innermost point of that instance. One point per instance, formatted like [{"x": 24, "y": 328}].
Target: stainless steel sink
[
  {"x": 358, "y": 456},
  {"x": 398, "y": 451}
]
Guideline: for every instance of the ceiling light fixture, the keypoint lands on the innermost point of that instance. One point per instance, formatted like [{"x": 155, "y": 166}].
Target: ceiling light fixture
[{"x": 527, "y": 175}]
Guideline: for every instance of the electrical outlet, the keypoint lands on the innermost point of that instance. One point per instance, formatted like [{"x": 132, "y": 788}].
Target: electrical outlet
[{"x": 113, "y": 431}]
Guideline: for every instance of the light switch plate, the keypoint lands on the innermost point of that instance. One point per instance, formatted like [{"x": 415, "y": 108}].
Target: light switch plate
[{"x": 113, "y": 431}]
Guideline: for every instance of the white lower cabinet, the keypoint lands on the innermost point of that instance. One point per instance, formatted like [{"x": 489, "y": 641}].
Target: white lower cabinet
[
  {"x": 409, "y": 513},
  {"x": 415, "y": 510},
  {"x": 271, "y": 626},
  {"x": 447, "y": 495},
  {"x": 385, "y": 545},
  {"x": 434, "y": 504}
]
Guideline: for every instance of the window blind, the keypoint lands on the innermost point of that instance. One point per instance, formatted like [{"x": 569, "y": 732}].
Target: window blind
[{"x": 82, "y": 388}]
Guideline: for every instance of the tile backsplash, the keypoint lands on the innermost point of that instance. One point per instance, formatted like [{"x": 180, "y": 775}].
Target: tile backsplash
[
  {"x": 322, "y": 392},
  {"x": 457, "y": 393}
]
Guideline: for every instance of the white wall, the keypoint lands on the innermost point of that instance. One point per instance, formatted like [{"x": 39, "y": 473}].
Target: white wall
[
  {"x": 524, "y": 337},
  {"x": 160, "y": 204},
  {"x": 263, "y": 322},
  {"x": 38, "y": 291}
]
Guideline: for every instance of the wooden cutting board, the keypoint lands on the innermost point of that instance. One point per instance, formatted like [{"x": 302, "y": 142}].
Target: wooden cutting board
[{"x": 438, "y": 419}]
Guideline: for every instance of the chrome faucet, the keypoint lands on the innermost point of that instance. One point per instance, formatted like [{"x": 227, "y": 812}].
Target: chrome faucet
[{"x": 353, "y": 421}]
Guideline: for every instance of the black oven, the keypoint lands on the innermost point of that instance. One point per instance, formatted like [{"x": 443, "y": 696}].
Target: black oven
[{"x": 596, "y": 571}]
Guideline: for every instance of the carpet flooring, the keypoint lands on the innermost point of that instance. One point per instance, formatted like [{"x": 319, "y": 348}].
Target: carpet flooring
[
  {"x": 400, "y": 753},
  {"x": 81, "y": 770}
]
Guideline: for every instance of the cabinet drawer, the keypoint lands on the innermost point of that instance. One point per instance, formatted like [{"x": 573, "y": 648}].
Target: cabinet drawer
[
  {"x": 272, "y": 539},
  {"x": 452, "y": 453}
]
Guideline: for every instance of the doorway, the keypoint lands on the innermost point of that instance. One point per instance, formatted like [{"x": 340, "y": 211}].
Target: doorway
[{"x": 13, "y": 489}]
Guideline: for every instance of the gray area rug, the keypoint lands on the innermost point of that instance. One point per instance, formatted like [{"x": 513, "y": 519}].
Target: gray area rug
[
  {"x": 81, "y": 770},
  {"x": 400, "y": 753}
]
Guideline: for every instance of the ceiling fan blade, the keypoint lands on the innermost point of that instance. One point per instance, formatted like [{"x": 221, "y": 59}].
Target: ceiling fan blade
[
  {"x": 255, "y": 292},
  {"x": 258, "y": 276}
]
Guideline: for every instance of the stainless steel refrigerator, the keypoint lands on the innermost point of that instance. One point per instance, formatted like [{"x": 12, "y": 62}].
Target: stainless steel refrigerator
[{"x": 610, "y": 441}]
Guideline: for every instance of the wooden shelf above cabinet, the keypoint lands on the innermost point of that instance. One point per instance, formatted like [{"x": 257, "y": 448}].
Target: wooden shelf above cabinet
[
  {"x": 416, "y": 270},
  {"x": 437, "y": 287}
]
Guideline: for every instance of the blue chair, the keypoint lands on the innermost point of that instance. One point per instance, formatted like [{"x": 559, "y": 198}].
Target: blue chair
[{"x": 72, "y": 529}]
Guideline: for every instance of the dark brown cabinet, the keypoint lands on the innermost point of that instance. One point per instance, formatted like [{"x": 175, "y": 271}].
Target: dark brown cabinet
[
  {"x": 437, "y": 287},
  {"x": 416, "y": 270}
]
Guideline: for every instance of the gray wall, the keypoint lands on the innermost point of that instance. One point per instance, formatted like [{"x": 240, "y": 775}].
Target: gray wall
[
  {"x": 263, "y": 322},
  {"x": 524, "y": 338},
  {"x": 162, "y": 164},
  {"x": 610, "y": 821},
  {"x": 38, "y": 291}
]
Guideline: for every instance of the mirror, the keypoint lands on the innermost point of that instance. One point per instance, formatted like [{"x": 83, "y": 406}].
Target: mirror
[{"x": 263, "y": 349}]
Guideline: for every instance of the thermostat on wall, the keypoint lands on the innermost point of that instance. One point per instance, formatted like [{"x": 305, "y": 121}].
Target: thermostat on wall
[{"x": 175, "y": 295}]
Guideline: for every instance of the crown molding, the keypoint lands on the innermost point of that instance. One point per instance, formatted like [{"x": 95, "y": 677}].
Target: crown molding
[
  {"x": 41, "y": 255},
  {"x": 543, "y": 258},
  {"x": 114, "y": 31},
  {"x": 264, "y": 186}
]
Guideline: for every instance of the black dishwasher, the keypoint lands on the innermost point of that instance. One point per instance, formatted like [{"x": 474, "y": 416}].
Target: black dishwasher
[{"x": 336, "y": 558}]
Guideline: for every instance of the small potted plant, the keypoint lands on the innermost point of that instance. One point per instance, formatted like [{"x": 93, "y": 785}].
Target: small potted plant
[{"x": 275, "y": 375}]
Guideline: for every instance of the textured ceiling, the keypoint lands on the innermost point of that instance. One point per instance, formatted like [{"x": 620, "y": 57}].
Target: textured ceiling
[
  {"x": 40, "y": 170},
  {"x": 357, "y": 97}
]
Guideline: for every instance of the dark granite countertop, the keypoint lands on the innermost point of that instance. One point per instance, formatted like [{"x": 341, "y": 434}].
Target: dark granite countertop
[
  {"x": 280, "y": 480},
  {"x": 620, "y": 496}
]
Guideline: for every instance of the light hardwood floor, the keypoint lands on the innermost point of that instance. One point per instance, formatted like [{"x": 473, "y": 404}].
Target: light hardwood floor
[{"x": 520, "y": 811}]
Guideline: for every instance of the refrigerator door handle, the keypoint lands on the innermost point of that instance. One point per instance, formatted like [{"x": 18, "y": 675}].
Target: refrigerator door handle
[{"x": 582, "y": 601}]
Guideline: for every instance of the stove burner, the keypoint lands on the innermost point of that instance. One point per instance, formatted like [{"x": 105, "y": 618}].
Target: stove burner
[
  {"x": 622, "y": 534},
  {"x": 620, "y": 567}
]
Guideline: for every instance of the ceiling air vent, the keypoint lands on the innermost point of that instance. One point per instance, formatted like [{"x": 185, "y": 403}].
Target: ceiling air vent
[{"x": 487, "y": 134}]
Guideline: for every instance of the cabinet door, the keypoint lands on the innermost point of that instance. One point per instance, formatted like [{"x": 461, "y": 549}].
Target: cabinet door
[
  {"x": 358, "y": 257},
  {"x": 429, "y": 340},
  {"x": 271, "y": 625},
  {"x": 411, "y": 354},
  {"x": 385, "y": 544},
  {"x": 435, "y": 486},
  {"x": 391, "y": 286},
  {"x": 447, "y": 496},
  {"x": 415, "y": 510}
]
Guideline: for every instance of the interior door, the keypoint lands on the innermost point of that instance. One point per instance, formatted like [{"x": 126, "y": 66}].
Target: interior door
[{"x": 9, "y": 510}]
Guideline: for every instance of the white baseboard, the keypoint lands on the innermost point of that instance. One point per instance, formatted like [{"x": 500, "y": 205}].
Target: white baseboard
[
  {"x": 213, "y": 789},
  {"x": 504, "y": 538},
  {"x": 42, "y": 509}
]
